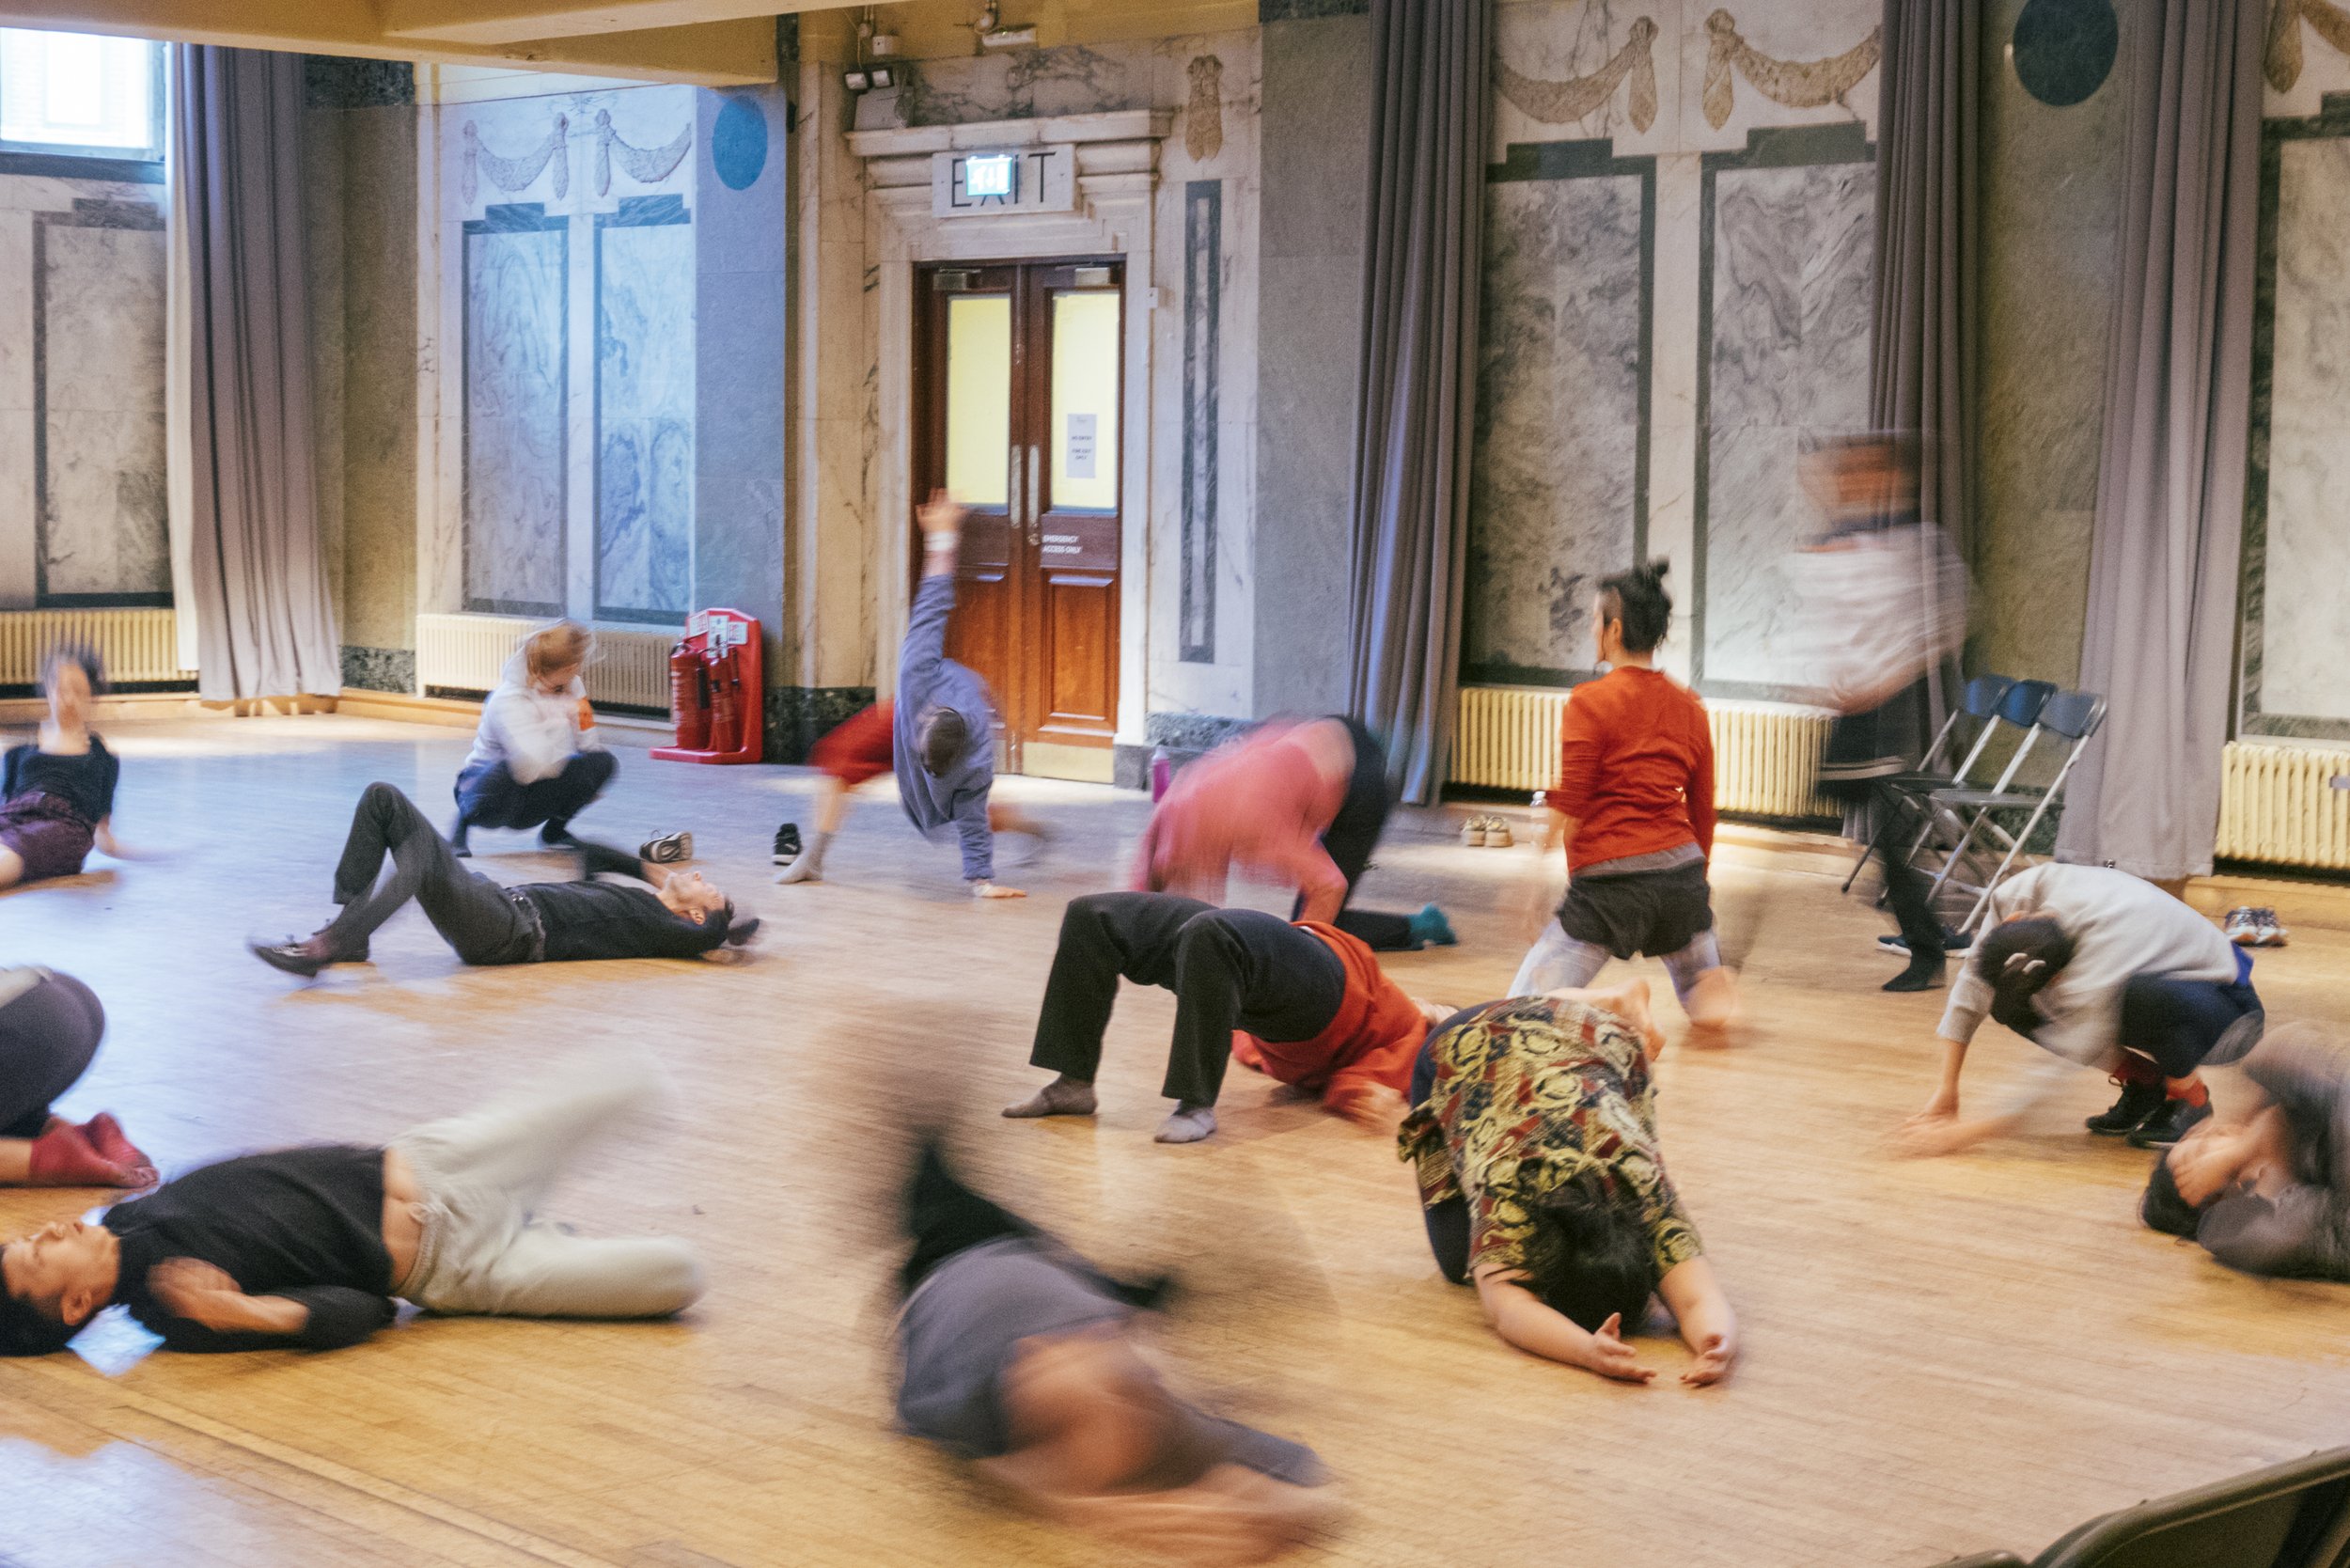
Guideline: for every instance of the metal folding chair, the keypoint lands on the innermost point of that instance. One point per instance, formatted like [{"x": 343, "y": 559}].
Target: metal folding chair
[
  {"x": 1991, "y": 701},
  {"x": 2070, "y": 718}
]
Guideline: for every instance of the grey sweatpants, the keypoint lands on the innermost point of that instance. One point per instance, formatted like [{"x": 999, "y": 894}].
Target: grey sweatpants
[{"x": 485, "y": 1250}]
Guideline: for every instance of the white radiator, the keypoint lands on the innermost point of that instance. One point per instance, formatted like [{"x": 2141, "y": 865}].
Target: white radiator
[
  {"x": 139, "y": 645},
  {"x": 468, "y": 653},
  {"x": 1766, "y": 755},
  {"x": 2280, "y": 804}
]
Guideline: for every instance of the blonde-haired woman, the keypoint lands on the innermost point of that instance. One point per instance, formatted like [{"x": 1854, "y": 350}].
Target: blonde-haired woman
[{"x": 536, "y": 761}]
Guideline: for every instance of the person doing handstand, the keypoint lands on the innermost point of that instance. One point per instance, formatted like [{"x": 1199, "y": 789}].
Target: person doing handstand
[
  {"x": 653, "y": 912},
  {"x": 1305, "y": 1002}
]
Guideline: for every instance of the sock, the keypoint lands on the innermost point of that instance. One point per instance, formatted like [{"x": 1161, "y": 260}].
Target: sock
[
  {"x": 1429, "y": 927},
  {"x": 1186, "y": 1123},
  {"x": 1063, "y": 1096},
  {"x": 2190, "y": 1089},
  {"x": 106, "y": 1135},
  {"x": 1924, "y": 974},
  {"x": 809, "y": 867},
  {"x": 62, "y": 1157}
]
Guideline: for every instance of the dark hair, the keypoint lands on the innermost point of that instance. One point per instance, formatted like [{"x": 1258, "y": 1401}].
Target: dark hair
[
  {"x": 2164, "y": 1208},
  {"x": 945, "y": 739},
  {"x": 26, "y": 1331},
  {"x": 2015, "y": 958},
  {"x": 1588, "y": 1257},
  {"x": 64, "y": 653},
  {"x": 1637, "y": 599}
]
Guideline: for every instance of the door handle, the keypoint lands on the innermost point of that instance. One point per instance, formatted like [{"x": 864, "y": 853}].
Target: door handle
[{"x": 1036, "y": 523}]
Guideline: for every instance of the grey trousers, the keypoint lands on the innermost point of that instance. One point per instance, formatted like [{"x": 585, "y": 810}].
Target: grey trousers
[{"x": 485, "y": 1250}]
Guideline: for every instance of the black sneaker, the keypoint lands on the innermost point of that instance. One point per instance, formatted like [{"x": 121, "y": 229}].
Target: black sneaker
[
  {"x": 558, "y": 836},
  {"x": 2174, "y": 1121},
  {"x": 2139, "y": 1101},
  {"x": 667, "y": 849},
  {"x": 1952, "y": 941},
  {"x": 295, "y": 956},
  {"x": 787, "y": 844}
]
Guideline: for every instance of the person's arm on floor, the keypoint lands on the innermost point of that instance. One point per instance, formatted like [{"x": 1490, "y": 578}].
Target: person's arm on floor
[
  {"x": 207, "y": 1311},
  {"x": 1708, "y": 1327},
  {"x": 1526, "y": 1321},
  {"x": 103, "y": 837}
]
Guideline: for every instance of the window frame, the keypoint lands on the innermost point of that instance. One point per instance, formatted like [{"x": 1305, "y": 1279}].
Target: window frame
[{"x": 73, "y": 161}]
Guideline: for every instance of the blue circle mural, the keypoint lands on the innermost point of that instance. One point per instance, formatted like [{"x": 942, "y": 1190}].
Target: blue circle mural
[
  {"x": 2063, "y": 49},
  {"x": 738, "y": 144}
]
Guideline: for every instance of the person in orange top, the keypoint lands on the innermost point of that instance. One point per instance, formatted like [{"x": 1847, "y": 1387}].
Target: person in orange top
[
  {"x": 1634, "y": 809},
  {"x": 1305, "y": 1002},
  {"x": 1298, "y": 802}
]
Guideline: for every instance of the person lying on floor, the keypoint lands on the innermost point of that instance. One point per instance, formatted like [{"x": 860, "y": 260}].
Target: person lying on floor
[
  {"x": 309, "y": 1248},
  {"x": 1305, "y": 1002},
  {"x": 1014, "y": 1353},
  {"x": 49, "y": 1026},
  {"x": 654, "y": 912},
  {"x": 536, "y": 761},
  {"x": 1533, "y": 1131},
  {"x": 2100, "y": 969},
  {"x": 2269, "y": 1192}
]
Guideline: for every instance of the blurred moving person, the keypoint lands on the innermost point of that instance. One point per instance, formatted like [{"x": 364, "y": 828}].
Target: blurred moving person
[
  {"x": 57, "y": 790},
  {"x": 536, "y": 761}
]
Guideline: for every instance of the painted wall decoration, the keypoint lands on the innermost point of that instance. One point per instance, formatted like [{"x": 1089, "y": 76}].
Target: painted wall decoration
[
  {"x": 2282, "y": 61},
  {"x": 647, "y": 166},
  {"x": 1796, "y": 84},
  {"x": 1203, "y": 112},
  {"x": 738, "y": 144},
  {"x": 517, "y": 174},
  {"x": 2063, "y": 50},
  {"x": 1557, "y": 102}
]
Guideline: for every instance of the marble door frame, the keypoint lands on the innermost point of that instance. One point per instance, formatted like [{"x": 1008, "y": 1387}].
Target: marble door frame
[
  {"x": 511, "y": 217},
  {"x": 1117, "y": 186},
  {"x": 2331, "y": 122}
]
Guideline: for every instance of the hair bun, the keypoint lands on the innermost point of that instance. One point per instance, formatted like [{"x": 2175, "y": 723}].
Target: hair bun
[{"x": 1654, "y": 569}]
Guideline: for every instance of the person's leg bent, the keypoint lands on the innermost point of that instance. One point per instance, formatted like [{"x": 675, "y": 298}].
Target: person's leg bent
[
  {"x": 511, "y": 1149},
  {"x": 48, "y": 1034},
  {"x": 554, "y": 801},
  {"x": 1448, "y": 1237},
  {"x": 1103, "y": 937},
  {"x": 381, "y": 819},
  {"x": 1557, "y": 961},
  {"x": 1216, "y": 979},
  {"x": 2176, "y": 1022},
  {"x": 544, "y": 1270},
  {"x": 486, "y": 797},
  {"x": 945, "y": 1217}
]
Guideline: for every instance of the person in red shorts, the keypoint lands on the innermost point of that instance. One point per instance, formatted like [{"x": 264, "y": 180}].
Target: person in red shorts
[{"x": 1635, "y": 807}]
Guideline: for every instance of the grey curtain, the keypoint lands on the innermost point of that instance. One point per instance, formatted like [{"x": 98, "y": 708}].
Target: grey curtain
[
  {"x": 265, "y": 617},
  {"x": 1922, "y": 348},
  {"x": 2160, "y": 637},
  {"x": 1413, "y": 426}
]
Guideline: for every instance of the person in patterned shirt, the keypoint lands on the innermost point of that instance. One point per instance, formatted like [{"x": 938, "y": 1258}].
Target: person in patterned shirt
[{"x": 1533, "y": 1130}]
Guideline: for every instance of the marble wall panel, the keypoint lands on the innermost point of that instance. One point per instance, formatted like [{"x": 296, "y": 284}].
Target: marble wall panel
[
  {"x": 1787, "y": 355},
  {"x": 645, "y": 402},
  {"x": 516, "y": 376},
  {"x": 1557, "y": 493},
  {"x": 1070, "y": 79},
  {"x": 99, "y": 355},
  {"x": 2294, "y": 673}
]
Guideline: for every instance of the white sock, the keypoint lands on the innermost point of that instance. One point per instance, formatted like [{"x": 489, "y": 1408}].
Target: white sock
[{"x": 1186, "y": 1123}]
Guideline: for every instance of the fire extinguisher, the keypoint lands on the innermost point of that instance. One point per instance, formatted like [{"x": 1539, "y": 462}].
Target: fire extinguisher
[
  {"x": 689, "y": 697},
  {"x": 726, "y": 696}
]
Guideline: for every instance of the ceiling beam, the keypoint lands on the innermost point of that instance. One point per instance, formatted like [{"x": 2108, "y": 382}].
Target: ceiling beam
[
  {"x": 737, "y": 52},
  {"x": 495, "y": 22}
]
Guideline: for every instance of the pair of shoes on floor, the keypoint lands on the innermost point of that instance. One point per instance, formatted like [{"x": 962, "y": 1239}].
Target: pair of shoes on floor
[
  {"x": 1487, "y": 833},
  {"x": 667, "y": 849},
  {"x": 2145, "y": 1117},
  {"x": 1952, "y": 941},
  {"x": 787, "y": 844},
  {"x": 2253, "y": 926}
]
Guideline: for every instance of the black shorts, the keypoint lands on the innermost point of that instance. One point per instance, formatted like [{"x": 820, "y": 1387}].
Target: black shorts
[{"x": 1647, "y": 911}]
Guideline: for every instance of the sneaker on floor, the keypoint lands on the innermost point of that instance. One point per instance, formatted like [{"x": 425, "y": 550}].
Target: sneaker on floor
[
  {"x": 1473, "y": 833},
  {"x": 2139, "y": 1101},
  {"x": 1497, "y": 835},
  {"x": 2243, "y": 926},
  {"x": 787, "y": 844},
  {"x": 2174, "y": 1121},
  {"x": 2272, "y": 931},
  {"x": 1952, "y": 941},
  {"x": 293, "y": 955},
  {"x": 667, "y": 849}
]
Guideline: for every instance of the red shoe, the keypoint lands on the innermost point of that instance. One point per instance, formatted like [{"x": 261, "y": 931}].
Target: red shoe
[
  {"x": 62, "y": 1157},
  {"x": 106, "y": 1135}
]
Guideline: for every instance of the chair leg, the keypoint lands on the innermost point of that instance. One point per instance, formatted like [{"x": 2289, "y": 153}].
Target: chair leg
[{"x": 2014, "y": 848}]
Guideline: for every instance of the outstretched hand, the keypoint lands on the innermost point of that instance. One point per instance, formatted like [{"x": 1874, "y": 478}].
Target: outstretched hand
[
  {"x": 1933, "y": 1133},
  {"x": 1611, "y": 1357},
  {"x": 1713, "y": 1362}
]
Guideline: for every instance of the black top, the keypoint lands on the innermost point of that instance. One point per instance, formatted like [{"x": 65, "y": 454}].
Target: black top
[
  {"x": 86, "y": 783},
  {"x": 611, "y": 920},
  {"x": 306, "y": 1224}
]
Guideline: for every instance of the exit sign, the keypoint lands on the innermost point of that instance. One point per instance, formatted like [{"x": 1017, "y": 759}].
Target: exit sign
[{"x": 1000, "y": 182}]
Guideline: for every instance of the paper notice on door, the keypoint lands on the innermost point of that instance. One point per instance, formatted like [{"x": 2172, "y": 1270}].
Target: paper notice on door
[{"x": 1079, "y": 450}]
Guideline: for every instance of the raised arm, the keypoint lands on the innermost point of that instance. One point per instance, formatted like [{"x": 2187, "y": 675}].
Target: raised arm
[{"x": 925, "y": 647}]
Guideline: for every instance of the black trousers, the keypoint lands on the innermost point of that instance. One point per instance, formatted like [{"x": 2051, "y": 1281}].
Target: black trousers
[
  {"x": 943, "y": 1218},
  {"x": 474, "y": 915},
  {"x": 1354, "y": 834},
  {"x": 1448, "y": 1221},
  {"x": 2177, "y": 1022},
  {"x": 1230, "y": 969},
  {"x": 489, "y": 797},
  {"x": 48, "y": 1034},
  {"x": 1907, "y": 890}
]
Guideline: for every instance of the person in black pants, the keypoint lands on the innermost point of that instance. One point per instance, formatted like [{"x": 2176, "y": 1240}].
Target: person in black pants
[
  {"x": 1015, "y": 1354},
  {"x": 49, "y": 1026},
  {"x": 682, "y": 916}
]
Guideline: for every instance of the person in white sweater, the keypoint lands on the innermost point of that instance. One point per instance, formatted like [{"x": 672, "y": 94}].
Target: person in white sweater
[
  {"x": 2100, "y": 969},
  {"x": 536, "y": 761}
]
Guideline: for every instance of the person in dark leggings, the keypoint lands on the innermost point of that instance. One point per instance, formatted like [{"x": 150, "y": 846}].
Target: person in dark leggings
[
  {"x": 1014, "y": 1353},
  {"x": 1301, "y": 803},
  {"x": 678, "y": 915},
  {"x": 49, "y": 1026},
  {"x": 1320, "y": 1012}
]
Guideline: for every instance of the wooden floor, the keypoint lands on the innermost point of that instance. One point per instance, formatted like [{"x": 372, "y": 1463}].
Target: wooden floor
[{"x": 1940, "y": 1358}]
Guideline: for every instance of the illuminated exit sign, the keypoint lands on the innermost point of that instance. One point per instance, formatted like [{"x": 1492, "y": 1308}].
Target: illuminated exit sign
[{"x": 997, "y": 181}]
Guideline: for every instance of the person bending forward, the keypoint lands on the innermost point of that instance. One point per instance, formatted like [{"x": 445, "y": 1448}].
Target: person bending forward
[
  {"x": 1305, "y": 1002},
  {"x": 308, "y": 1249},
  {"x": 1533, "y": 1130},
  {"x": 536, "y": 762},
  {"x": 680, "y": 916}
]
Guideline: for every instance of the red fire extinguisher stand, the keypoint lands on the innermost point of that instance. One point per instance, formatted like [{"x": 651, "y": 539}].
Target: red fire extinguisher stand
[{"x": 717, "y": 692}]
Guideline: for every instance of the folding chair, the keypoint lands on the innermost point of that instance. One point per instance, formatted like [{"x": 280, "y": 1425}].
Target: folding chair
[
  {"x": 1991, "y": 701},
  {"x": 2070, "y": 718}
]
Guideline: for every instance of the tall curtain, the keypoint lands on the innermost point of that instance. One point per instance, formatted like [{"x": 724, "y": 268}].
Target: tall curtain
[
  {"x": 255, "y": 564},
  {"x": 1923, "y": 272},
  {"x": 2160, "y": 637},
  {"x": 1414, "y": 420}
]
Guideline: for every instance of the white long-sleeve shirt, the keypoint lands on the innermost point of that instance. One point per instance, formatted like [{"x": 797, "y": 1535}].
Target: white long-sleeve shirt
[
  {"x": 532, "y": 733},
  {"x": 2120, "y": 927}
]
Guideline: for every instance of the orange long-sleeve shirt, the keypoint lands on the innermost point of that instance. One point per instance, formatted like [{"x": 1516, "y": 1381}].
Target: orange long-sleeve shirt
[
  {"x": 1374, "y": 1038},
  {"x": 1636, "y": 768}
]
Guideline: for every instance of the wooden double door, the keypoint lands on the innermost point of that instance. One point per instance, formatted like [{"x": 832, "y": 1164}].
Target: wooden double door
[{"x": 1019, "y": 392}]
